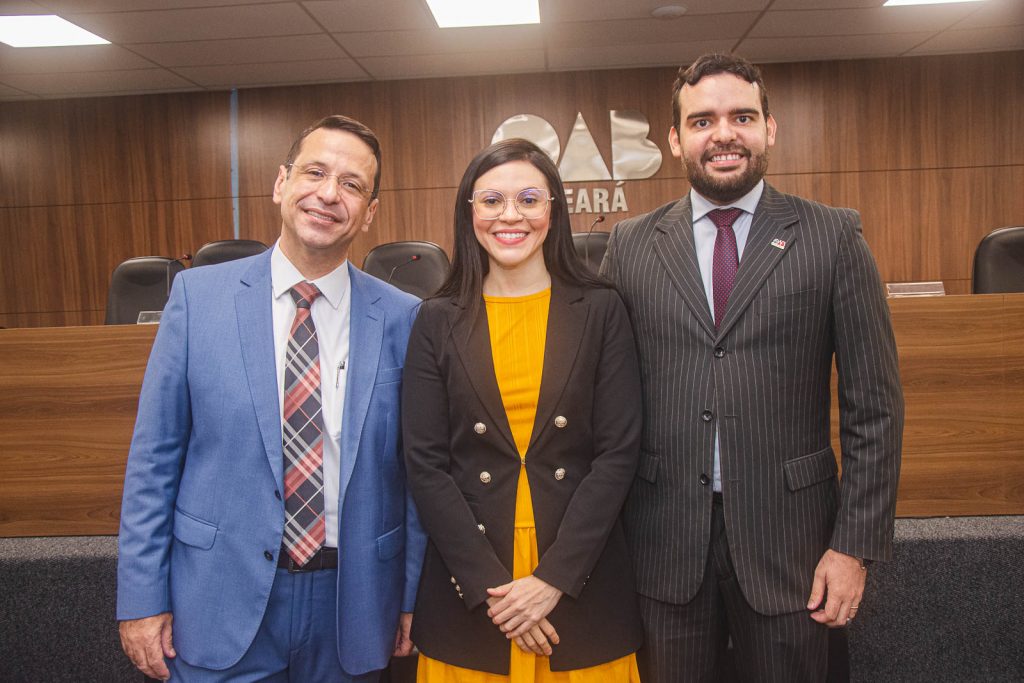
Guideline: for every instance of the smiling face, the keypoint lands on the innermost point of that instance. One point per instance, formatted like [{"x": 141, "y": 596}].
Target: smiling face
[
  {"x": 319, "y": 218},
  {"x": 723, "y": 137},
  {"x": 513, "y": 243}
]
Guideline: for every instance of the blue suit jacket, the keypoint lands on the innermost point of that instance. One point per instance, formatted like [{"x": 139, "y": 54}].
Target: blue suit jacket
[{"x": 202, "y": 515}]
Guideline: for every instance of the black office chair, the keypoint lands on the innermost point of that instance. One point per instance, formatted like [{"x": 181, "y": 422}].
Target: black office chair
[
  {"x": 415, "y": 267},
  {"x": 226, "y": 250},
  {"x": 590, "y": 247},
  {"x": 139, "y": 284},
  {"x": 999, "y": 262}
]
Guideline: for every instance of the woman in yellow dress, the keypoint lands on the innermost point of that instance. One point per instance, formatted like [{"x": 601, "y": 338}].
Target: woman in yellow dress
[{"x": 521, "y": 426}]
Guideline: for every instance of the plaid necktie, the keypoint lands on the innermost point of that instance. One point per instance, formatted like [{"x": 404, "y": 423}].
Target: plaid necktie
[
  {"x": 304, "y": 528},
  {"x": 726, "y": 259}
]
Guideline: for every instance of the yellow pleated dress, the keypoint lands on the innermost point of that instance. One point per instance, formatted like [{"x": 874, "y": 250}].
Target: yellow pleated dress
[{"x": 518, "y": 328}]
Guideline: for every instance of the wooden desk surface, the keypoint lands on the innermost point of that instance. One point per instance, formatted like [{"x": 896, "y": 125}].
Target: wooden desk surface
[{"x": 68, "y": 398}]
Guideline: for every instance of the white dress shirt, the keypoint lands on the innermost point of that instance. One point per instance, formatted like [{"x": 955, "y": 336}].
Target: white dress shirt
[
  {"x": 331, "y": 313},
  {"x": 704, "y": 234}
]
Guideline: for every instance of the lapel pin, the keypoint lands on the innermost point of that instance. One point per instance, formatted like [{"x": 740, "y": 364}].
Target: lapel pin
[{"x": 779, "y": 244}]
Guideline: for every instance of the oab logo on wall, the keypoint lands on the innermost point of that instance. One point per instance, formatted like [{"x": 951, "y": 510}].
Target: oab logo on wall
[{"x": 634, "y": 157}]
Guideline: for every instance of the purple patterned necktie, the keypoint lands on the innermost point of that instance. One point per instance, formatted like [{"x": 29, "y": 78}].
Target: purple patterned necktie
[
  {"x": 304, "y": 526},
  {"x": 726, "y": 260}
]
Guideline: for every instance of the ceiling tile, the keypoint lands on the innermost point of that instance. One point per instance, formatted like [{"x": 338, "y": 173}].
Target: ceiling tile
[
  {"x": 41, "y": 60},
  {"x": 647, "y": 31},
  {"x": 275, "y": 73},
  {"x": 18, "y": 7},
  {"x": 440, "y": 41},
  {"x": 248, "y": 21},
  {"x": 994, "y": 13},
  {"x": 339, "y": 16},
  {"x": 471, "y": 64},
  {"x": 614, "y": 56},
  {"x": 84, "y": 6},
  {"x": 825, "y": 4},
  {"x": 242, "y": 50},
  {"x": 604, "y": 10},
  {"x": 9, "y": 93},
  {"x": 973, "y": 40},
  {"x": 849, "y": 22},
  {"x": 829, "y": 47},
  {"x": 97, "y": 82}
]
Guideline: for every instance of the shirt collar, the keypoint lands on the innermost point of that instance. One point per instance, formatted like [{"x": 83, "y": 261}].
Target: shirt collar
[
  {"x": 284, "y": 275},
  {"x": 748, "y": 202}
]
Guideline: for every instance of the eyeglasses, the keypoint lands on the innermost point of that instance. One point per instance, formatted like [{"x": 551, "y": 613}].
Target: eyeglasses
[
  {"x": 314, "y": 176},
  {"x": 491, "y": 204}
]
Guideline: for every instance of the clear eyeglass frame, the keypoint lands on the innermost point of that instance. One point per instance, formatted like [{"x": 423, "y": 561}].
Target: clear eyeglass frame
[
  {"x": 530, "y": 203},
  {"x": 314, "y": 177}
]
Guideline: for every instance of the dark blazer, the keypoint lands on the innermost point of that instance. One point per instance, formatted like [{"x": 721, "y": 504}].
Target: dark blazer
[
  {"x": 463, "y": 470},
  {"x": 807, "y": 290}
]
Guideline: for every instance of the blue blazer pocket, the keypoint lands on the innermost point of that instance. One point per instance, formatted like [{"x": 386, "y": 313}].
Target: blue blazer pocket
[
  {"x": 388, "y": 375},
  {"x": 810, "y": 469},
  {"x": 192, "y": 531},
  {"x": 391, "y": 543}
]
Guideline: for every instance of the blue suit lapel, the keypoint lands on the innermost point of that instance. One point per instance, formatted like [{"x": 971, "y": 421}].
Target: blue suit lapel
[
  {"x": 253, "y": 310},
  {"x": 366, "y": 336}
]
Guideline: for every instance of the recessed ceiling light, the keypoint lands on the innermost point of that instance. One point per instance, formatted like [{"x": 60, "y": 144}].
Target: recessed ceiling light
[
  {"x": 897, "y": 3},
  {"x": 668, "y": 12},
  {"x": 44, "y": 30},
  {"x": 456, "y": 13}
]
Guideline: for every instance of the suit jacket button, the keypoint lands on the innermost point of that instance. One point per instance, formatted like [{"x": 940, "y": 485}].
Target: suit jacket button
[
  {"x": 485, "y": 477},
  {"x": 480, "y": 428},
  {"x": 454, "y": 581},
  {"x": 560, "y": 473},
  {"x": 707, "y": 415},
  {"x": 269, "y": 555},
  {"x": 482, "y": 528},
  {"x": 560, "y": 422},
  {"x": 719, "y": 352},
  {"x": 704, "y": 480}
]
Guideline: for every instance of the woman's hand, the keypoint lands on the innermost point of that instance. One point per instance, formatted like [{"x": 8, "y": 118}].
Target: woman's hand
[
  {"x": 538, "y": 639},
  {"x": 521, "y": 605}
]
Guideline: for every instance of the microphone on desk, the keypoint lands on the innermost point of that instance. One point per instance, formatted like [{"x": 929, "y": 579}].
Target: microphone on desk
[
  {"x": 414, "y": 257},
  {"x": 184, "y": 257},
  {"x": 586, "y": 242}
]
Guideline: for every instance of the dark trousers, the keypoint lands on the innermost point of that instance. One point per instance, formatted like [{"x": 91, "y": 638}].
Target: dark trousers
[{"x": 688, "y": 643}]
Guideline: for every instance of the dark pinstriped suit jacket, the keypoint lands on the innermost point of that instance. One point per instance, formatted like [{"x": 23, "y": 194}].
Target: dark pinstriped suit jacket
[{"x": 763, "y": 379}]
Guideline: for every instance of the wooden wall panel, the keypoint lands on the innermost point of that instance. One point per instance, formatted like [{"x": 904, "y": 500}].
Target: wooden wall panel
[
  {"x": 87, "y": 183},
  {"x": 115, "y": 149},
  {"x": 58, "y": 259},
  {"x": 928, "y": 149}
]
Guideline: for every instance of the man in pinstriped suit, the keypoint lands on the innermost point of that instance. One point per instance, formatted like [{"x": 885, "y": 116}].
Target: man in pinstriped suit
[{"x": 738, "y": 523}]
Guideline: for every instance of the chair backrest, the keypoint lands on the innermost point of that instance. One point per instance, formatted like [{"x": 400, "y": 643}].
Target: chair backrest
[
  {"x": 999, "y": 262},
  {"x": 139, "y": 284},
  {"x": 418, "y": 268},
  {"x": 590, "y": 247},
  {"x": 226, "y": 250}
]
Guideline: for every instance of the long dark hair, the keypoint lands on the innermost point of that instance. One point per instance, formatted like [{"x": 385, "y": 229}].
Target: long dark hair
[{"x": 469, "y": 259}]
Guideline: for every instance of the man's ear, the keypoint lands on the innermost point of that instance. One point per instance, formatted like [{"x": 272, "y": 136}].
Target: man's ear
[
  {"x": 282, "y": 176},
  {"x": 371, "y": 211},
  {"x": 674, "y": 144}
]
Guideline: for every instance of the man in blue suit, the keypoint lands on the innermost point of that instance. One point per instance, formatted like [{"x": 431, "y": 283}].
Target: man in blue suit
[{"x": 266, "y": 533}]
